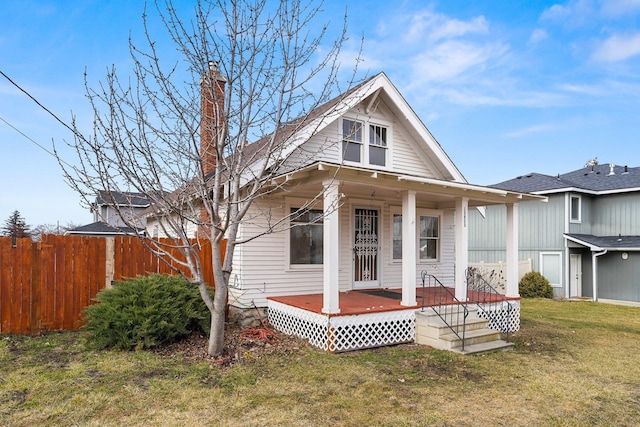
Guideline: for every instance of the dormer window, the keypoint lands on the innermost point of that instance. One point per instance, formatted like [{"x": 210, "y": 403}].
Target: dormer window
[
  {"x": 377, "y": 145},
  {"x": 365, "y": 145},
  {"x": 352, "y": 140}
]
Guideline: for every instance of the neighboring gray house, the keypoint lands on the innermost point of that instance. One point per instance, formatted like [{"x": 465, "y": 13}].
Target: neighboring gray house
[
  {"x": 109, "y": 206},
  {"x": 107, "y": 211},
  {"x": 585, "y": 239}
]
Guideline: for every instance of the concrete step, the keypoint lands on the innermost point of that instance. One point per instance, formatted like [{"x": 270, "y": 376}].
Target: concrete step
[
  {"x": 498, "y": 345},
  {"x": 435, "y": 327},
  {"x": 471, "y": 337}
]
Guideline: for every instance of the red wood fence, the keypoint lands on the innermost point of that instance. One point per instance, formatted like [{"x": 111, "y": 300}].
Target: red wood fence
[{"x": 44, "y": 286}]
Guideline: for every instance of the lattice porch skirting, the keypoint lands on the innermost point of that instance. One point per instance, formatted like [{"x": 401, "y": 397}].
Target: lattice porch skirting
[
  {"x": 503, "y": 320},
  {"x": 343, "y": 333}
]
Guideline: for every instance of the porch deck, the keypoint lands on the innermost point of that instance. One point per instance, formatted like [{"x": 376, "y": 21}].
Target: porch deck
[
  {"x": 367, "y": 318},
  {"x": 377, "y": 300}
]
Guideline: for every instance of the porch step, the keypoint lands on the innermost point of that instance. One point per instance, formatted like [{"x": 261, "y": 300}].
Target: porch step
[{"x": 432, "y": 331}]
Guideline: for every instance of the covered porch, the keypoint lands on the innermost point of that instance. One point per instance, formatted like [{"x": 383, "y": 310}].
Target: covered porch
[
  {"x": 364, "y": 248},
  {"x": 368, "y": 318}
]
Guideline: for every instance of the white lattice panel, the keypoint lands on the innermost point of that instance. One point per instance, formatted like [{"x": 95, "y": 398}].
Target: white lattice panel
[
  {"x": 502, "y": 319},
  {"x": 344, "y": 333},
  {"x": 301, "y": 323},
  {"x": 371, "y": 330}
]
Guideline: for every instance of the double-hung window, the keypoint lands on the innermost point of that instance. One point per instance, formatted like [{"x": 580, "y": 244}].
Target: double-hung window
[
  {"x": 377, "y": 145},
  {"x": 366, "y": 145},
  {"x": 352, "y": 140},
  {"x": 306, "y": 237},
  {"x": 428, "y": 237}
]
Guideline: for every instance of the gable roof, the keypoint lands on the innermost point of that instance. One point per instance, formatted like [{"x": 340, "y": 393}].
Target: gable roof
[
  {"x": 103, "y": 229},
  {"x": 612, "y": 243},
  {"x": 137, "y": 200},
  {"x": 296, "y": 132},
  {"x": 598, "y": 179}
]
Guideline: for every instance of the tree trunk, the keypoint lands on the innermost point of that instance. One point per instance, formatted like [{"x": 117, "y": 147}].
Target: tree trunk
[{"x": 216, "y": 335}]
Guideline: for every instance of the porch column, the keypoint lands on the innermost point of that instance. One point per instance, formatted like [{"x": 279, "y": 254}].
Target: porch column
[
  {"x": 408, "y": 248},
  {"x": 330, "y": 252},
  {"x": 462, "y": 247},
  {"x": 512, "y": 250}
]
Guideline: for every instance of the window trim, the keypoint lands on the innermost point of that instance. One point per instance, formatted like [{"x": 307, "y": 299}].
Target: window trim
[
  {"x": 420, "y": 212},
  {"x": 542, "y": 270},
  {"x": 296, "y": 203},
  {"x": 573, "y": 220},
  {"x": 365, "y": 144}
]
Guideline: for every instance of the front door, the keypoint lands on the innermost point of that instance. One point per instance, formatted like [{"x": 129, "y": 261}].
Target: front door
[
  {"x": 575, "y": 273},
  {"x": 366, "y": 267}
]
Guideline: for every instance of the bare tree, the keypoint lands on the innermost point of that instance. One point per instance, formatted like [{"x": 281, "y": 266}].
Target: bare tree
[{"x": 181, "y": 133}]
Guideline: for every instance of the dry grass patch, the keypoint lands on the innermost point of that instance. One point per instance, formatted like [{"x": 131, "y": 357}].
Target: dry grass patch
[{"x": 573, "y": 364}]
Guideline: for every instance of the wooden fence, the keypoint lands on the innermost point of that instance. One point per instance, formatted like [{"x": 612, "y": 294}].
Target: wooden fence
[{"x": 45, "y": 285}]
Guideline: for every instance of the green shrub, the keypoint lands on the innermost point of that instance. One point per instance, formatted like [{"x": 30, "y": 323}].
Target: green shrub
[
  {"x": 535, "y": 285},
  {"x": 145, "y": 312}
]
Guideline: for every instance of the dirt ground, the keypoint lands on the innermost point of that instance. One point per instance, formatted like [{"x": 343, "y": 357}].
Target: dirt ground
[{"x": 239, "y": 345}]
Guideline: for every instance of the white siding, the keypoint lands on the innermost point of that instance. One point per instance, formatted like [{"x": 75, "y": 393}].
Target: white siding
[{"x": 404, "y": 155}]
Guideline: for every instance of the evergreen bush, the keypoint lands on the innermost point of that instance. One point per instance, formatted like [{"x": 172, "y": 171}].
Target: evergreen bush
[
  {"x": 145, "y": 312},
  {"x": 535, "y": 285}
]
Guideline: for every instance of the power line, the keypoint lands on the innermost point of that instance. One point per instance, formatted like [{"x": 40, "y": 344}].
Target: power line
[
  {"x": 51, "y": 153},
  {"x": 76, "y": 133},
  {"x": 51, "y": 113}
]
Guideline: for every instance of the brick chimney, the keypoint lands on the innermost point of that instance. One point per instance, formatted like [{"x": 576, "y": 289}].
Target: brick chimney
[{"x": 212, "y": 123}]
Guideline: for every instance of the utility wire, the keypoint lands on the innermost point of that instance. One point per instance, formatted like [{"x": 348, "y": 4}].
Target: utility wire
[
  {"x": 51, "y": 113},
  {"x": 51, "y": 153},
  {"x": 76, "y": 133}
]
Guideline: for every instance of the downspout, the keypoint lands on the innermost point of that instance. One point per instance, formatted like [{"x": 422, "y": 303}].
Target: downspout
[{"x": 594, "y": 272}]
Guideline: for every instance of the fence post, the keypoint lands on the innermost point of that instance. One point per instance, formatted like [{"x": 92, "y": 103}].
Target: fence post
[
  {"x": 109, "y": 262},
  {"x": 35, "y": 283}
]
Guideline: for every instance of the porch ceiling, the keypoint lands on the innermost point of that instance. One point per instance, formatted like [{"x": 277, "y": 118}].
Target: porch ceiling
[{"x": 389, "y": 185}]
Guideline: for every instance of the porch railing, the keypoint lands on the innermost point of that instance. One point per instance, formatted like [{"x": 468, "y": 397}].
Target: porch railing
[
  {"x": 492, "y": 304},
  {"x": 445, "y": 304}
]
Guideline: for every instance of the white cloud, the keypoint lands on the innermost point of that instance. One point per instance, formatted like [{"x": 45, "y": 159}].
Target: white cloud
[
  {"x": 615, "y": 8},
  {"x": 538, "y": 35},
  {"x": 450, "y": 28},
  {"x": 530, "y": 130},
  {"x": 573, "y": 12},
  {"x": 452, "y": 59},
  {"x": 617, "y": 48}
]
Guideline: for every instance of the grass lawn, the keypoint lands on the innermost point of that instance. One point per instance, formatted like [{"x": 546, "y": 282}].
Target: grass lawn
[{"x": 574, "y": 364}]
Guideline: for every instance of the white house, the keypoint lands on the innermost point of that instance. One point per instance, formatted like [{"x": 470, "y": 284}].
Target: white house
[{"x": 392, "y": 205}]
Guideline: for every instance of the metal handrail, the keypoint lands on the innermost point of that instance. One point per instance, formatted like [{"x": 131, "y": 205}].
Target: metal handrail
[
  {"x": 488, "y": 300},
  {"x": 445, "y": 304}
]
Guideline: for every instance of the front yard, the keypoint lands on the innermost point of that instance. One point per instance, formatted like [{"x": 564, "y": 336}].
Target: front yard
[{"x": 574, "y": 363}]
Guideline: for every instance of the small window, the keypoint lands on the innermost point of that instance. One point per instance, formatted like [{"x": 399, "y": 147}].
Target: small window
[
  {"x": 306, "y": 236},
  {"x": 576, "y": 206},
  {"x": 551, "y": 267},
  {"x": 397, "y": 236},
  {"x": 377, "y": 145},
  {"x": 429, "y": 237},
  {"x": 352, "y": 140}
]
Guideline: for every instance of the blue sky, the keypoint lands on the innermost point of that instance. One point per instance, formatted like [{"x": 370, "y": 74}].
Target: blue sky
[{"x": 506, "y": 87}]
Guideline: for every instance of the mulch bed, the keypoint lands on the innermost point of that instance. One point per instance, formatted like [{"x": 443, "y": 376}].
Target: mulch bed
[{"x": 240, "y": 346}]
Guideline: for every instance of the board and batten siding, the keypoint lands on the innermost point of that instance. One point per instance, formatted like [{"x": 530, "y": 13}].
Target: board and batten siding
[
  {"x": 540, "y": 228},
  {"x": 616, "y": 214}
]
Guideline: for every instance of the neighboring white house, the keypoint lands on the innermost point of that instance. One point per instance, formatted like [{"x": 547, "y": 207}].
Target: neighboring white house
[{"x": 393, "y": 205}]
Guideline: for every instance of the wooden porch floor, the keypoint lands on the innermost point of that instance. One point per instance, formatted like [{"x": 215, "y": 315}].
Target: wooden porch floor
[{"x": 374, "y": 300}]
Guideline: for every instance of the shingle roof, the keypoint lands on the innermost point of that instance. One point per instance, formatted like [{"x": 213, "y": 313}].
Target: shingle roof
[
  {"x": 122, "y": 198},
  {"x": 590, "y": 178},
  {"x": 608, "y": 242},
  {"x": 102, "y": 228}
]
